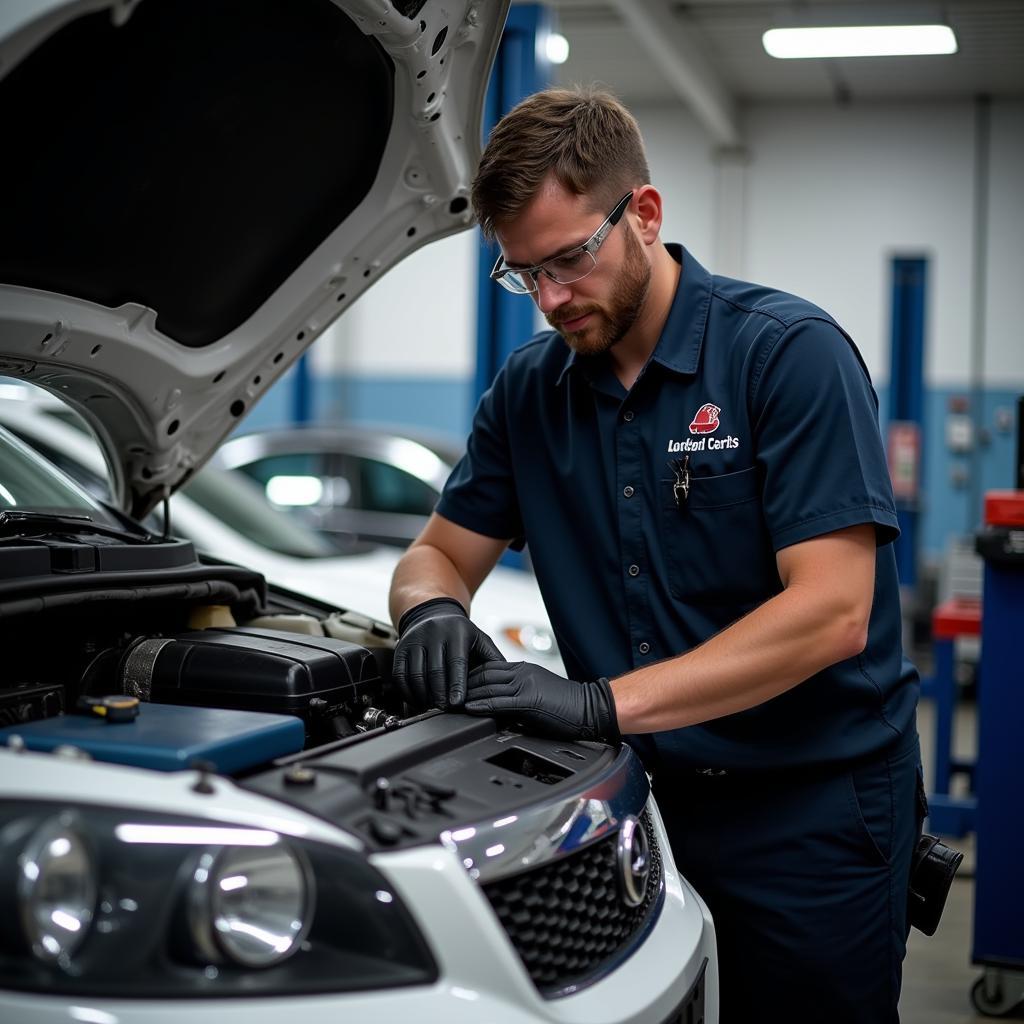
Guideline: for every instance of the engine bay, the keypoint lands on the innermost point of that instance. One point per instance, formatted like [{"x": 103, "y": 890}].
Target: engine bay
[
  {"x": 332, "y": 672},
  {"x": 291, "y": 699}
]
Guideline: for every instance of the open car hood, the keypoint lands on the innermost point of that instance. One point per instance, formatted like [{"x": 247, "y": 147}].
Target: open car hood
[{"x": 195, "y": 189}]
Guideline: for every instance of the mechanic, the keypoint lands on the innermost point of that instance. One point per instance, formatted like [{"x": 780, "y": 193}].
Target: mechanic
[{"x": 696, "y": 465}]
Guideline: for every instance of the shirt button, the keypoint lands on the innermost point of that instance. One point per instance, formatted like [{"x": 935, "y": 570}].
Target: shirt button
[
  {"x": 644, "y": 648},
  {"x": 627, "y": 491},
  {"x": 628, "y": 415},
  {"x": 634, "y": 570}
]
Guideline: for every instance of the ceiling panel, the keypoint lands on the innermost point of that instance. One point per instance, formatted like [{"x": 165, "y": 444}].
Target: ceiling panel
[{"x": 990, "y": 59}]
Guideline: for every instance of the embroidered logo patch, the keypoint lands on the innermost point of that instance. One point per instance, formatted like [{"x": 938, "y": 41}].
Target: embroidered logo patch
[{"x": 706, "y": 420}]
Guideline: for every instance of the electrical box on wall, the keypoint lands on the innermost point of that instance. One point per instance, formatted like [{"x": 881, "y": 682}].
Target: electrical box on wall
[
  {"x": 959, "y": 432},
  {"x": 904, "y": 457}
]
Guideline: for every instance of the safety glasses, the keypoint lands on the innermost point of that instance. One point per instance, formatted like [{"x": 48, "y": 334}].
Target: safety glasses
[{"x": 566, "y": 268}]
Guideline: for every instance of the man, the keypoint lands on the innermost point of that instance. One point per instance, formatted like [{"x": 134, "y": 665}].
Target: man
[{"x": 696, "y": 465}]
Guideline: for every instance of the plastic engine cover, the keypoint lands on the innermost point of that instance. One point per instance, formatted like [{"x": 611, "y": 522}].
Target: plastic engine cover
[{"x": 252, "y": 669}]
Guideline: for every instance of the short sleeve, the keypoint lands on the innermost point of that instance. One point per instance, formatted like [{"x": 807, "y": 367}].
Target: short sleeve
[
  {"x": 480, "y": 494},
  {"x": 815, "y": 418}
]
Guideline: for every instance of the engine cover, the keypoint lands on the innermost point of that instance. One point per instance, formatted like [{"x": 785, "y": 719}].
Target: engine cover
[{"x": 314, "y": 678}]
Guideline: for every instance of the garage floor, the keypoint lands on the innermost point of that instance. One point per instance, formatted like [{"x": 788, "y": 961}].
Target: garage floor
[{"x": 938, "y": 974}]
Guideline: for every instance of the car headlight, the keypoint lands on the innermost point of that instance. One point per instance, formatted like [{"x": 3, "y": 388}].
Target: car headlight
[
  {"x": 535, "y": 640},
  {"x": 140, "y": 905},
  {"x": 56, "y": 889},
  {"x": 252, "y": 906}
]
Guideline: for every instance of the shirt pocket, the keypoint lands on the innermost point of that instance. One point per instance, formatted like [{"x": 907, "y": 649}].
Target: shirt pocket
[{"x": 715, "y": 543}]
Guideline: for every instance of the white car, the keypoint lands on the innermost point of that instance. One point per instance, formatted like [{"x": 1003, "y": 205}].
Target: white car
[{"x": 214, "y": 804}]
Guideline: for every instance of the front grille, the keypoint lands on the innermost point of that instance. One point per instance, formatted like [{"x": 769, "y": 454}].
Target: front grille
[{"x": 567, "y": 919}]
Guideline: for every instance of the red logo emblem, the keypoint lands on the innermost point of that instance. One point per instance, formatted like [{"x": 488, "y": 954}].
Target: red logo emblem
[{"x": 706, "y": 420}]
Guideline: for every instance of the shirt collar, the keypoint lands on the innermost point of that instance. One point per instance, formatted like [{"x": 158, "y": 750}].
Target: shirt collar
[{"x": 682, "y": 337}]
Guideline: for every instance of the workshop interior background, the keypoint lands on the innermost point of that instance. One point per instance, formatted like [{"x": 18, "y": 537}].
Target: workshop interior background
[{"x": 830, "y": 179}]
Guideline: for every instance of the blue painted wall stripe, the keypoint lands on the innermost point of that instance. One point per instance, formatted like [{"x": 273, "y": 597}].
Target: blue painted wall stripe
[{"x": 946, "y": 498}]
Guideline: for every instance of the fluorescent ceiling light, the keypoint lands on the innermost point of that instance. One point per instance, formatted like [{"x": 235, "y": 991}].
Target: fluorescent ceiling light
[
  {"x": 556, "y": 47},
  {"x": 859, "y": 41}
]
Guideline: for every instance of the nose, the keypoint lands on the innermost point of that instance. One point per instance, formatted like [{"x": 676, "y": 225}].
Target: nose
[{"x": 550, "y": 294}]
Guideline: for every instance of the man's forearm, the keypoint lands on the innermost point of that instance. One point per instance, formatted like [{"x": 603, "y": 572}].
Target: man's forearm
[
  {"x": 778, "y": 645},
  {"x": 819, "y": 618},
  {"x": 423, "y": 573}
]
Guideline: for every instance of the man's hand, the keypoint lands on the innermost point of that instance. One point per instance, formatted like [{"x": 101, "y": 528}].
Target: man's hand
[
  {"x": 436, "y": 645},
  {"x": 546, "y": 704}
]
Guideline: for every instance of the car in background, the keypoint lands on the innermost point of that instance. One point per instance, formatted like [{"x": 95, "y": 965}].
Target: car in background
[
  {"x": 224, "y": 511},
  {"x": 378, "y": 483},
  {"x": 216, "y": 804}
]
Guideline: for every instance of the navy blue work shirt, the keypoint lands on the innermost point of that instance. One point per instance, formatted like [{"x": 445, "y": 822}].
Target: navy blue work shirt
[{"x": 772, "y": 405}]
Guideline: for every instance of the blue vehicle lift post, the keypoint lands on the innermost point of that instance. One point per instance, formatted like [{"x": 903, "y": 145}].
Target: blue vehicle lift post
[
  {"x": 503, "y": 320},
  {"x": 906, "y": 392}
]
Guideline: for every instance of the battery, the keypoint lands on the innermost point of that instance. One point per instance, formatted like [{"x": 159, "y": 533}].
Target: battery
[{"x": 169, "y": 738}]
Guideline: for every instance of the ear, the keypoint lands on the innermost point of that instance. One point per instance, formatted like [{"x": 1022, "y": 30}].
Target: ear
[{"x": 647, "y": 212}]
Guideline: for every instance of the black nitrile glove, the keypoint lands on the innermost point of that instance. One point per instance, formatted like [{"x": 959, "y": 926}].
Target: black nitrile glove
[
  {"x": 544, "y": 703},
  {"x": 437, "y": 643}
]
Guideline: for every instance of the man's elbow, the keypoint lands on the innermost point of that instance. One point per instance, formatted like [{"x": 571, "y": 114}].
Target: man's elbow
[{"x": 849, "y": 632}]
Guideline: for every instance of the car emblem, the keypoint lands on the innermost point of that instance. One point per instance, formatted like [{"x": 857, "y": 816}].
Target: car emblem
[{"x": 634, "y": 861}]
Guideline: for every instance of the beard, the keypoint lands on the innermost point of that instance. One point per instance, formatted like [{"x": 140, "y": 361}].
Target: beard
[{"x": 612, "y": 322}]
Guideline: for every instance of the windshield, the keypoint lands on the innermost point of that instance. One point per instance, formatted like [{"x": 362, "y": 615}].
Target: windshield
[
  {"x": 28, "y": 481},
  {"x": 241, "y": 504}
]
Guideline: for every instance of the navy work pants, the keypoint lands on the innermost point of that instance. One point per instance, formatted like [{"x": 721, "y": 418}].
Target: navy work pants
[{"x": 805, "y": 874}]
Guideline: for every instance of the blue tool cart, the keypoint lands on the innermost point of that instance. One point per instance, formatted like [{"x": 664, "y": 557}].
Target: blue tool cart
[{"x": 999, "y": 817}]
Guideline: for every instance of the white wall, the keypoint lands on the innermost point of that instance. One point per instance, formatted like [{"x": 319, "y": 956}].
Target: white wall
[
  {"x": 830, "y": 195},
  {"x": 836, "y": 193},
  {"x": 1004, "y": 352},
  {"x": 418, "y": 320}
]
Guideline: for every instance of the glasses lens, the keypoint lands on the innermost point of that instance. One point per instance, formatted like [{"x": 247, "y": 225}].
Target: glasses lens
[
  {"x": 516, "y": 282},
  {"x": 572, "y": 266},
  {"x": 565, "y": 269}
]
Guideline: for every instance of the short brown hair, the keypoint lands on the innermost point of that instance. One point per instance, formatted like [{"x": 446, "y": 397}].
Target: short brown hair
[{"x": 584, "y": 136}]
